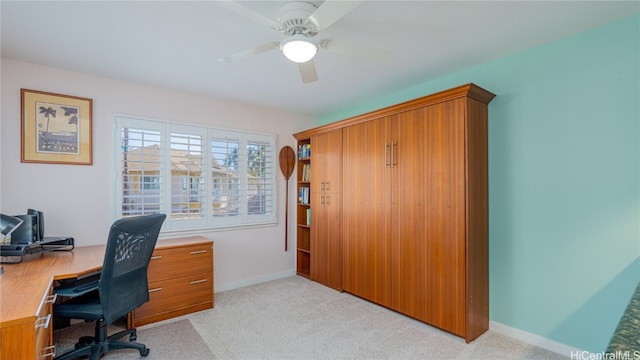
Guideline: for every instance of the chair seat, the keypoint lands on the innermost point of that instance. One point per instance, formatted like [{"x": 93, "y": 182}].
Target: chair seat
[{"x": 86, "y": 307}]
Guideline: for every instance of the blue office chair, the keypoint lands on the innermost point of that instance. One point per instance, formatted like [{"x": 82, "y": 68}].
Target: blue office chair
[{"x": 121, "y": 288}]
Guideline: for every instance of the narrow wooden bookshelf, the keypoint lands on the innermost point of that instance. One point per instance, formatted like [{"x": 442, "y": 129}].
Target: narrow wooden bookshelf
[{"x": 303, "y": 209}]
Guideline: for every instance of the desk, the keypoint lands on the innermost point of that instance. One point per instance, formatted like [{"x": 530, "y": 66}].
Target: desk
[{"x": 26, "y": 301}]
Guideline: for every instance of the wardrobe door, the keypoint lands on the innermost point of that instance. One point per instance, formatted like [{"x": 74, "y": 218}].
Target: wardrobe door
[
  {"x": 428, "y": 216},
  {"x": 410, "y": 263},
  {"x": 326, "y": 157},
  {"x": 445, "y": 201},
  {"x": 365, "y": 210}
]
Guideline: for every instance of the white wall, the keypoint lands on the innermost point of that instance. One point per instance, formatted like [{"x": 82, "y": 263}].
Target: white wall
[{"x": 78, "y": 200}]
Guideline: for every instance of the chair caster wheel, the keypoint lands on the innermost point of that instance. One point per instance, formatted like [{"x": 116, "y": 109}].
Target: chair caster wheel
[
  {"x": 83, "y": 341},
  {"x": 133, "y": 337},
  {"x": 144, "y": 352}
]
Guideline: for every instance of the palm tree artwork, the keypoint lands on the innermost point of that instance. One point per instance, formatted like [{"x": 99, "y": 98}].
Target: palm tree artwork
[
  {"x": 58, "y": 136},
  {"x": 73, "y": 113},
  {"x": 48, "y": 112}
]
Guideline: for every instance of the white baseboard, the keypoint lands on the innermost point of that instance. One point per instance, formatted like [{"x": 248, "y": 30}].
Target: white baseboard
[
  {"x": 253, "y": 281},
  {"x": 533, "y": 339}
]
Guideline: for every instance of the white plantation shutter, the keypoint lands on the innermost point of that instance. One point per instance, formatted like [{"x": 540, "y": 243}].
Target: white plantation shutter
[
  {"x": 200, "y": 177},
  {"x": 225, "y": 175},
  {"x": 142, "y": 170},
  {"x": 186, "y": 176},
  {"x": 260, "y": 184}
]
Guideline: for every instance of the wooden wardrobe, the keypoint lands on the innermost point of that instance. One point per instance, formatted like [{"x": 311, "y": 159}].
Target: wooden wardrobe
[{"x": 403, "y": 221}]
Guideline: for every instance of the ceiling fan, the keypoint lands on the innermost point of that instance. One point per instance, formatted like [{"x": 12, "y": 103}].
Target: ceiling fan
[{"x": 301, "y": 21}]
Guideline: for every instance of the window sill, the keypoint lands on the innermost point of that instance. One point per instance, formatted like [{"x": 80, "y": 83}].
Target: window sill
[{"x": 166, "y": 234}]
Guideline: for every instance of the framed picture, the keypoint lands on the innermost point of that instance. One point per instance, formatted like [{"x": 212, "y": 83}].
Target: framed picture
[{"x": 56, "y": 129}]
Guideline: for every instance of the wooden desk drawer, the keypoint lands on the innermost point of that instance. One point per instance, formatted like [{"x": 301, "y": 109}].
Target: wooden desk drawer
[
  {"x": 44, "y": 327},
  {"x": 177, "y": 294},
  {"x": 181, "y": 261},
  {"x": 43, "y": 334}
]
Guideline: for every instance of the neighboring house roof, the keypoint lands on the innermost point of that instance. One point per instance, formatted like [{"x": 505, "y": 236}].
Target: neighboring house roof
[{"x": 146, "y": 159}]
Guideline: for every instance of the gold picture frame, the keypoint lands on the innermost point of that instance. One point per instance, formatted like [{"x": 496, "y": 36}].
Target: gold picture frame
[{"x": 55, "y": 128}]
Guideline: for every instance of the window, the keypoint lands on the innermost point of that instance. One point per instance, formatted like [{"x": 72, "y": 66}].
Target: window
[
  {"x": 150, "y": 183},
  {"x": 226, "y": 177},
  {"x": 200, "y": 177}
]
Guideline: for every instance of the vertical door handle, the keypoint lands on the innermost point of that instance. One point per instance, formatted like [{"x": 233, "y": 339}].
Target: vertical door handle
[
  {"x": 386, "y": 163},
  {"x": 327, "y": 186},
  {"x": 393, "y": 150},
  {"x": 327, "y": 202}
]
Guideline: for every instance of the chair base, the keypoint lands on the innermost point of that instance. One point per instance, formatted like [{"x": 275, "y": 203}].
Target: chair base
[{"x": 88, "y": 346}]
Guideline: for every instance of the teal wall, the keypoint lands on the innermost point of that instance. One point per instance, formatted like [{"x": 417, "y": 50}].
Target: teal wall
[{"x": 564, "y": 181}]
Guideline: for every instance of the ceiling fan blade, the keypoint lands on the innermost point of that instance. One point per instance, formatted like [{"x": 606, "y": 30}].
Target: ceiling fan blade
[
  {"x": 331, "y": 11},
  {"x": 355, "y": 49},
  {"x": 242, "y": 10},
  {"x": 308, "y": 72},
  {"x": 246, "y": 53}
]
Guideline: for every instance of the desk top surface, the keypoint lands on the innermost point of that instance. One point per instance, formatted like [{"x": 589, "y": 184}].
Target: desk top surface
[{"x": 23, "y": 285}]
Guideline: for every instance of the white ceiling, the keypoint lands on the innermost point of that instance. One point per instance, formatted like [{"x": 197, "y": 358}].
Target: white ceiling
[{"x": 176, "y": 44}]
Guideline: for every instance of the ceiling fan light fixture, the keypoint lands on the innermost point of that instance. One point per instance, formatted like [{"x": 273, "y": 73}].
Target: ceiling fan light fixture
[{"x": 298, "y": 48}]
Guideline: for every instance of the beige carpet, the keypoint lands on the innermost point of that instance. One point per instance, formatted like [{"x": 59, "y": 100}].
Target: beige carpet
[
  {"x": 294, "y": 318},
  {"x": 167, "y": 341}
]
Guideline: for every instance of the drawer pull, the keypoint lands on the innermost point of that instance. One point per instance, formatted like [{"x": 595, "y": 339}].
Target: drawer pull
[
  {"x": 43, "y": 322},
  {"x": 198, "y": 252},
  {"x": 51, "y": 299},
  {"x": 51, "y": 351},
  {"x": 198, "y": 281},
  {"x": 157, "y": 257},
  {"x": 154, "y": 290}
]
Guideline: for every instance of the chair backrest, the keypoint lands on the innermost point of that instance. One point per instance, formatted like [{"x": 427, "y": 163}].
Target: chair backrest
[{"x": 123, "y": 283}]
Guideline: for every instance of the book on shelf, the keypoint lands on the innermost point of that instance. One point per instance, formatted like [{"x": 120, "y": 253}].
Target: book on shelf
[
  {"x": 304, "y": 194},
  {"x": 306, "y": 173},
  {"x": 308, "y": 217},
  {"x": 304, "y": 151}
]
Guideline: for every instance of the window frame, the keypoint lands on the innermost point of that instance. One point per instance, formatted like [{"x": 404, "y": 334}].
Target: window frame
[{"x": 207, "y": 220}]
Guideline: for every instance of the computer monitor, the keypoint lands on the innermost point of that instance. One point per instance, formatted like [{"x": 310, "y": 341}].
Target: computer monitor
[
  {"x": 8, "y": 224},
  {"x": 39, "y": 221}
]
